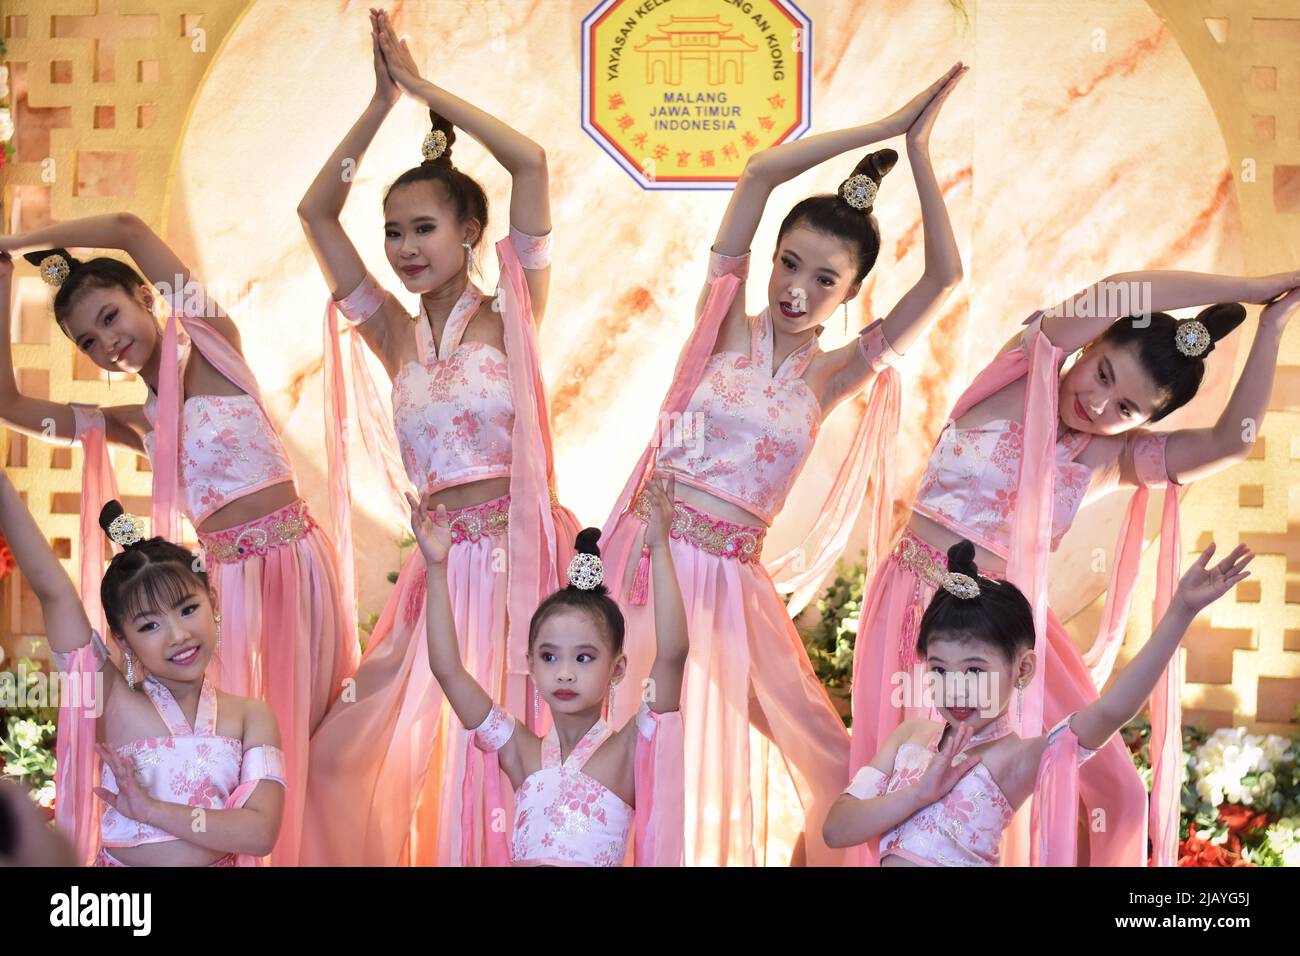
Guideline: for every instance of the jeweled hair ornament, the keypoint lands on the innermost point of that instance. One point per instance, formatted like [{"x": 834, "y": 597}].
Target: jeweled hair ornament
[
  {"x": 586, "y": 572},
  {"x": 1192, "y": 338},
  {"x": 54, "y": 269},
  {"x": 960, "y": 585},
  {"x": 859, "y": 191},
  {"x": 435, "y": 144},
  {"x": 126, "y": 530}
]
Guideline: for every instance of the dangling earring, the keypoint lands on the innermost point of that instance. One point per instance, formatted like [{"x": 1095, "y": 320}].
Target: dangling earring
[
  {"x": 846, "y": 316},
  {"x": 130, "y": 670},
  {"x": 537, "y": 708},
  {"x": 1020, "y": 700},
  {"x": 469, "y": 257},
  {"x": 218, "y": 648},
  {"x": 612, "y": 685}
]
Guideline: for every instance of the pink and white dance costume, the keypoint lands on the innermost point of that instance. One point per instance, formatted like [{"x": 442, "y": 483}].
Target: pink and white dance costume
[
  {"x": 395, "y": 778},
  {"x": 1014, "y": 489},
  {"x": 565, "y": 817},
  {"x": 759, "y": 432},
  {"x": 288, "y": 633},
  {"x": 192, "y": 766},
  {"x": 965, "y": 827}
]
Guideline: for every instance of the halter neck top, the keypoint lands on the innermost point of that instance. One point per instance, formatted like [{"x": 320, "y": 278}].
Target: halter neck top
[
  {"x": 452, "y": 407},
  {"x": 563, "y": 817},
  {"x": 963, "y": 828},
  {"x": 193, "y": 766},
  {"x": 747, "y": 431}
]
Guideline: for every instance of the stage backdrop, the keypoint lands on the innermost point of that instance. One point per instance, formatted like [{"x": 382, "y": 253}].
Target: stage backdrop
[{"x": 1091, "y": 137}]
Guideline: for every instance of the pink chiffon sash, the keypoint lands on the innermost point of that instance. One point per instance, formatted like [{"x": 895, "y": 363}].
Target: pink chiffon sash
[
  {"x": 77, "y": 810},
  {"x": 660, "y": 767}
]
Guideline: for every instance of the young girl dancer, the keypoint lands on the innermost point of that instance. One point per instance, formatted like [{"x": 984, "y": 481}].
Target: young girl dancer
[
  {"x": 290, "y": 636},
  {"x": 580, "y": 789},
  {"x": 761, "y": 387},
  {"x": 177, "y": 752},
  {"x": 941, "y": 794},
  {"x": 394, "y": 780},
  {"x": 1024, "y": 448}
]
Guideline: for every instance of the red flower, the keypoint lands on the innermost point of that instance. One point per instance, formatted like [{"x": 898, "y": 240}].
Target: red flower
[
  {"x": 1197, "y": 852},
  {"x": 6, "y": 556},
  {"x": 1240, "y": 820}
]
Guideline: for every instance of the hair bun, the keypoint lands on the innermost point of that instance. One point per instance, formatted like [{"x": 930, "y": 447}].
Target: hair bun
[
  {"x": 1220, "y": 319},
  {"x": 961, "y": 559},
  {"x": 40, "y": 255},
  {"x": 859, "y": 194},
  {"x": 441, "y": 123},
  {"x": 586, "y": 542},
  {"x": 109, "y": 513}
]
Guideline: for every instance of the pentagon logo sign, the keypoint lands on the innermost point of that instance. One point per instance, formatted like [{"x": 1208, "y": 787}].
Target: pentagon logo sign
[{"x": 681, "y": 92}]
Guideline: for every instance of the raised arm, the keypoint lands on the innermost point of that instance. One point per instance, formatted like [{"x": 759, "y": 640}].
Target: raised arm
[
  {"x": 66, "y": 625},
  {"x": 1200, "y": 587},
  {"x": 911, "y": 316},
  {"x": 469, "y": 700},
  {"x": 672, "y": 642},
  {"x": 321, "y": 206},
  {"x": 524, "y": 159},
  {"x": 1088, "y": 313},
  {"x": 1194, "y": 453}
]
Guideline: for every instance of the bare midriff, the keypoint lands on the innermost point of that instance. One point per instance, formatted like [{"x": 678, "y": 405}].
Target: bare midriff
[{"x": 248, "y": 508}]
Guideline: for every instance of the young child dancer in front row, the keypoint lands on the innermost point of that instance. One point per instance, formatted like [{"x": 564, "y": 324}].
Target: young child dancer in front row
[
  {"x": 175, "y": 745},
  {"x": 941, "y": 794},
  {"x": 581, "y": 788}
]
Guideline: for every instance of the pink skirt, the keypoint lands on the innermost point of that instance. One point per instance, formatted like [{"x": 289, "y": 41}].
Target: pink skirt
[
  {"x": 885, "y": 655},
  {"x": 395, "y": 778},
  {"x": 284, "y": 636},
  {"x": 744, "y": 651}
]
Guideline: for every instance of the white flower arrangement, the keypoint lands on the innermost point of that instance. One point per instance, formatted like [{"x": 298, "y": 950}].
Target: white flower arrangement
[
  {"x": 1237, "y": 766},
  {"x": 1283, "y": 838},
  {"x": 6, "y": 125}
]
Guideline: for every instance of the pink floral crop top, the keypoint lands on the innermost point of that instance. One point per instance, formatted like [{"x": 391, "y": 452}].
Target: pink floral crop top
[
  {"x": 969, "y": 485},
  {"x": 452, "y": 407},
  {"x": 970, "y": 482},
  {"x": 192, "y": 766},
  {"x": 747, "y": 432},
  {"x": 229, "y": 449},
  {"x": 962, "y": 829},
  {"x": 563, "y": 817}
]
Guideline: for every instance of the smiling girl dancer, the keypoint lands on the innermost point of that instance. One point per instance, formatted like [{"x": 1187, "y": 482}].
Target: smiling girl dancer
[
  {"x": 1024, "y": 448},
  {"x": 176, "y": 750},
  {"x": 290, "y": 638},
  {"x": 942, "y": 794},
  {"x": 582, "y": 788},
  {"x": 762, "y": 388},
  {"x": 393, "y": 779}
]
